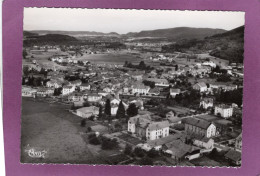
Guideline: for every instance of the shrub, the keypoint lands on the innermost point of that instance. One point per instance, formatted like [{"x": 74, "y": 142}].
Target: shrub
[
  {"x": 139, "y": 152},
  {"x": 83, "y": 123},
  {"x": 94, "y": 141},
  {"x": 108, "y": 144},
  {"x": 128, "y": 149},
  {"x": 146, "y": 161},
  {"x": 153, "y": 153}
]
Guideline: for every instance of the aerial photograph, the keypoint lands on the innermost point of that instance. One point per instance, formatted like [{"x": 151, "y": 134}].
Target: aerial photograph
[{"x": 132, "y": 87}]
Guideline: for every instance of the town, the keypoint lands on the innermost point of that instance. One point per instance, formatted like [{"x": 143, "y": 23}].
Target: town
[{"x": 127, "y": 102}]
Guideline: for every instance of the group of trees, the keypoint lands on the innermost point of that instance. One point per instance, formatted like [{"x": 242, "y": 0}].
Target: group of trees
[
  {"x": 234, "y": 96},
  {"x": 151, "y": 84},
  {"x": 31, "y": 81},
  {"x": 141, "y": 66},
  {"x": 121, "y": 112},
  {"x": 106, "y": 143},
  {"x": 184, "y": 99}
]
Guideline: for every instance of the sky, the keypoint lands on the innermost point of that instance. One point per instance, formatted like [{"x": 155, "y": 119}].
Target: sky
[{"x": 124, "y": 21}]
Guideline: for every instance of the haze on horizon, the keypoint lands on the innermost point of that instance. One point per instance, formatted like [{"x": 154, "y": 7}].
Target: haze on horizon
[{"x": 123, "y": 21}]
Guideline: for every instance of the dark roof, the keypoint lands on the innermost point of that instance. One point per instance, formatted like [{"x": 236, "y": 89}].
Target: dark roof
[
  {"x": 233, "y": 155},
  {"x": 197, "y": 122}
]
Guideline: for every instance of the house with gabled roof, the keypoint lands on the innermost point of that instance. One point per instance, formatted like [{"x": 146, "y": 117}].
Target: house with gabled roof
[
  {"x": 140, "y": 89},
  {"x": 233, "y": 156},
  {"x": 68, "y": 90},
  {"x": 87, "y": 112},
  {"x": 199, "y": 127},
  {"x": 84, "y": 86},
  {"x": 143, "y": 126},
  {"x": 174, "y": 92},
  {"x": 200, "y": 86},
  {"x": 223, "y": 110},
  {"x": 54, "y": 83}
]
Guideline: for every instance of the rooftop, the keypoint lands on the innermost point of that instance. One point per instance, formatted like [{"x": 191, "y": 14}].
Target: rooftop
[{"x": 197, "y": 122}]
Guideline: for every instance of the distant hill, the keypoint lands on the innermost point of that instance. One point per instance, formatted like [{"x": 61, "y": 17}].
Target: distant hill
[
  {"x": 228, "y": 45},
  {"x": 177, "y": 33},
  {"x": 49, "y": 39},
  {"x": 29, "y": 34},
  {"x": 75, "y": 33}
]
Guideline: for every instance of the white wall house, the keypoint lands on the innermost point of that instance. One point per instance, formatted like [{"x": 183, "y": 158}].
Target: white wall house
[
  {"x": 174, "y": 92},
  {"x": 142, "y": 126},
  {"x": 199, "y": 127},
  {"x": 67, "y": 90},
  {"x": 84, "y": 86},
  {"x": 54, "y": 83},
  {"x": 200, "y": 86},
  {"x": 140, "y": 89},
  {"x": 225, "y": 111}
]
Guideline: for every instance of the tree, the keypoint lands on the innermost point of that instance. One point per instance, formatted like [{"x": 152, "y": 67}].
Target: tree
[
  {"x": 57, "y": 91},
  {"x": 176, "y": 68},
  {"x": 120, "y": 114},
  {"x": 24, "y": 54},
  {"x": 132, "y": 110},
  {"x": 128, "y": 149},
  {"x": 142, "y": 65},
  {"x": 108, "y": 144},
  {"x": 146, "y": 161},
  {"x": 153, "y": 153},
  {"x": 26, "y": 71},
  {"x": 100, "y": 112},
  {"x": 139, "y": 152},
  {"x": 89, "y": 129},
  {"x": 108, "y": 108},
  {"x": 83, "y": 123}
]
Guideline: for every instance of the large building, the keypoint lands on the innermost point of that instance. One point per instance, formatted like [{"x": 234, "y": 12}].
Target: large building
[
  {"x": 223, "y": 110},
  {"x": 140, "y": 89},
  {"x": 87, "y": 112},
  {"x": 198, "y": 127},
  {"x": 67, "y": 90},
  {"x": 145, "y": 128},
  {"x": 200, "y": 86}
]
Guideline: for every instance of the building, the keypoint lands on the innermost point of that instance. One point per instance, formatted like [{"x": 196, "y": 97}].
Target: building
[
  {"x": 45, "y": 91},
  {"x": 75, "y": 97},
  {"x": 234, "y": 157},
  {"x": 174, "y": 92},
  {"x": 159, "y": 82},
  {"x": 28, "y": 91},
  {"x": 170, "y": 114},
  {"x": 84, "y": 86},
  {"x": 67, "y": 90},
  {"x": 200, "y": 86},
  {"x": 223, "y": 110},
  {"x": 238, "y": 142},
  {"x": 140, "y": 89},
  {"x": 204, "y": 142},
  {"x": 206, "y": 103},
  {"x": 54, "y": 83},
  {"x": 87, "y": 112},
  {"x": 198, "y": 127},
  {"x": 142, "y": 126},
  {"x": 94, "y": 97},
  {"x": 75, "y": 83}
]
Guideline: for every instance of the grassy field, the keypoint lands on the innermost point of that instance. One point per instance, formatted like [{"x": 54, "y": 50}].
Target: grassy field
[
  {"x": 51, "y": 127},
  {"x": 111, "y": 58}
]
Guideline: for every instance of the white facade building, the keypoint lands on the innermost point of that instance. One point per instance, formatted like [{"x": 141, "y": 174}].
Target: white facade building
[{"x": 225, "y": 111}]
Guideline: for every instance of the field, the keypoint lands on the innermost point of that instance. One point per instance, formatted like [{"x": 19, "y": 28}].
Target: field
[
  {"x": 52, "y": 128},
  {"x": 111, "y": 58}
]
